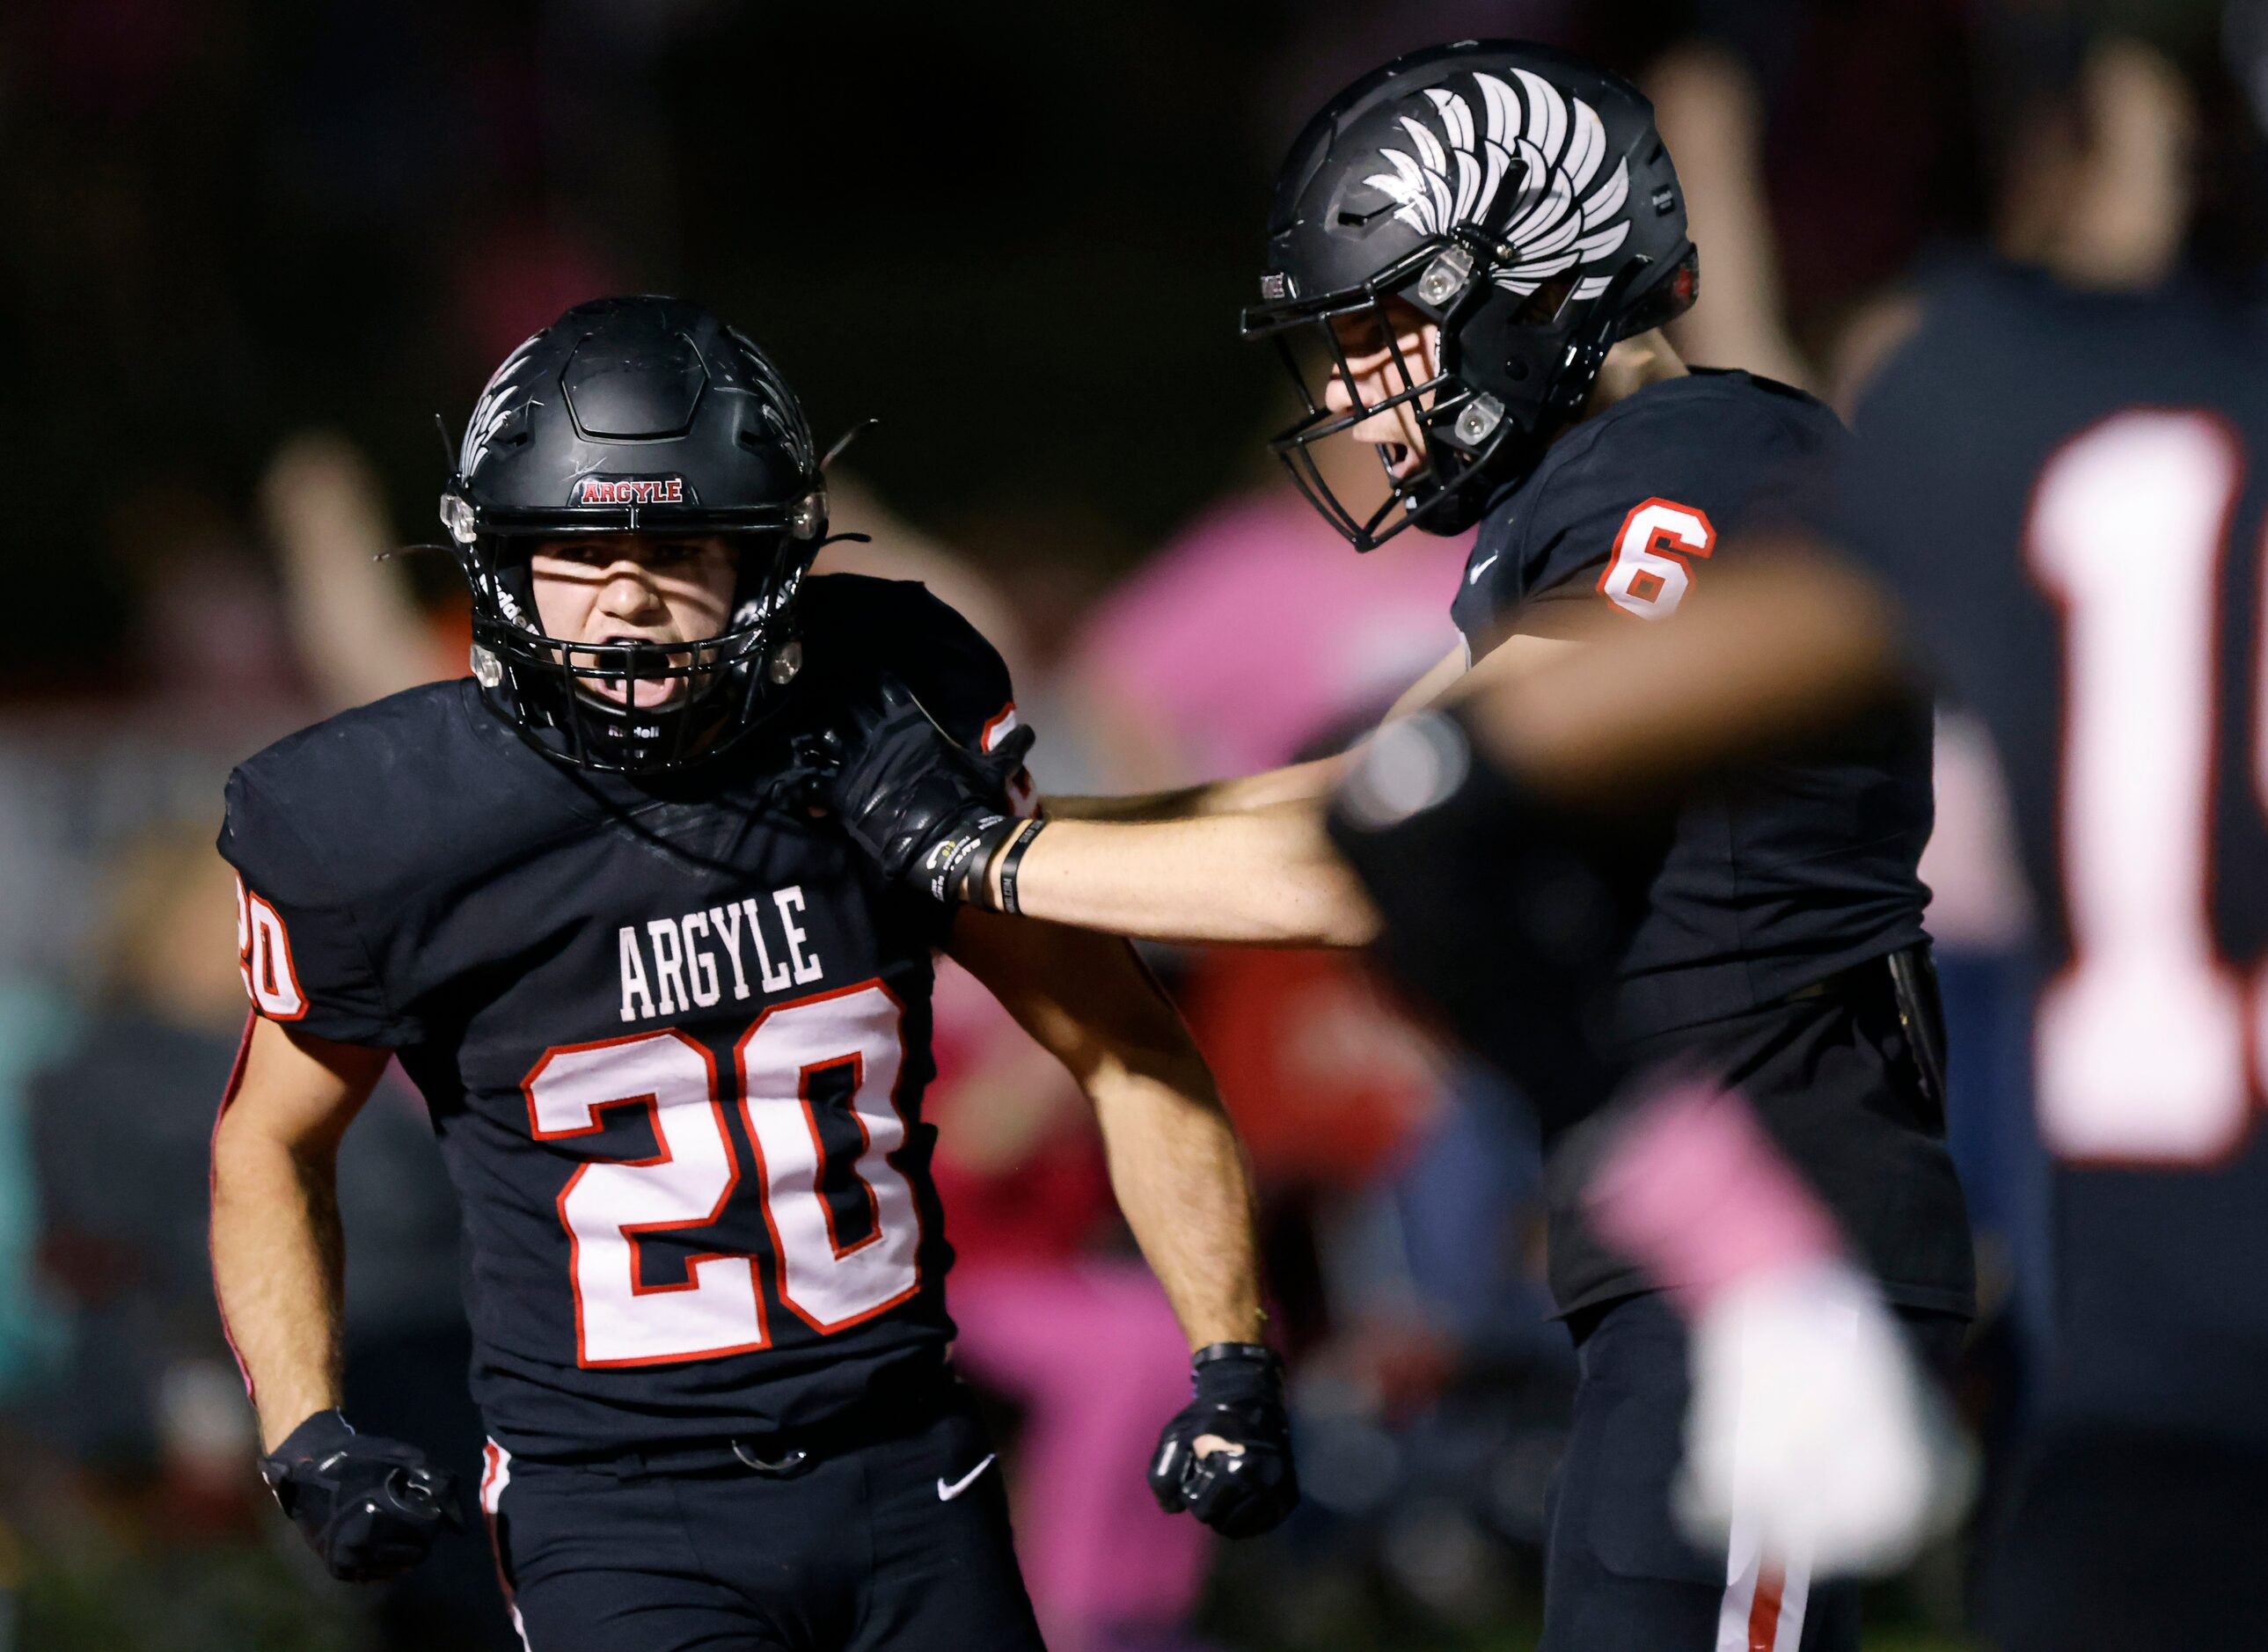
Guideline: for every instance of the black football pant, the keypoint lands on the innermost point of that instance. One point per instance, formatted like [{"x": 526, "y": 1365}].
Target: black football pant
[
  {"x": 1618, "y": 1574},
  {"x": 899, "y": 1543}
]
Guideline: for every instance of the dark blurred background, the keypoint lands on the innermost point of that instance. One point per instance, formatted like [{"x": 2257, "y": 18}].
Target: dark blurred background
[{"x": 252, "y": 249}]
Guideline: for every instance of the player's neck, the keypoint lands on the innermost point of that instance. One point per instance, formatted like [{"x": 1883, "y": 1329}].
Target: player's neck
[{"x": 1630, "y": 366}]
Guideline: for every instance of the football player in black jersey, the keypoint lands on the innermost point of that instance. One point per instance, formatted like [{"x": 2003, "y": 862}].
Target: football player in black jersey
[
  {"x": 2054, "y": 506},
  {"x": 674, "y": 1030},
  {"x": 1476, "y": 245}
]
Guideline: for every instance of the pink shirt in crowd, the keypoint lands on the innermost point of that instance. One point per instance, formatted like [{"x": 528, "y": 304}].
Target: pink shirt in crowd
[{"x": 1258, "y": 629}]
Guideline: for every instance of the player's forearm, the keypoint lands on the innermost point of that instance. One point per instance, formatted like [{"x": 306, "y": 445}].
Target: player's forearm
[
  {"x": 1179, "y": 1180},
  {"x": 1299, "y": 782},
  {"x": 278, "y": 1268},
  {"x": 1268, "y": 878}
]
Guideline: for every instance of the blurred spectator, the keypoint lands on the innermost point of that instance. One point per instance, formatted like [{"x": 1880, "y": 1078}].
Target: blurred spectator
[
  {"x": 120, "y": 1125},
  {"x": 1774, "y": 108},
  {"x": 354, "y": 618},
  {"x": 895, "y": 548},
  {"x": 1252, "y": 632},
  {"x": 1328, "y": 1079}
]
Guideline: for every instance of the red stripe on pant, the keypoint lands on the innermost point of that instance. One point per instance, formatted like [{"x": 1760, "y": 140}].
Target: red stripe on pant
[{"x": 1763, "y": 1611}]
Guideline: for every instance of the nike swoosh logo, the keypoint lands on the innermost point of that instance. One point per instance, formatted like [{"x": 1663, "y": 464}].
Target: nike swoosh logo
[
  {"x": 1473, "y": 578},
  {"x": 945, "y": 1494}
]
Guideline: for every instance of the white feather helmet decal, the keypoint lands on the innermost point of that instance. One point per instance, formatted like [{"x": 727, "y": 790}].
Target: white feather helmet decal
[{"x": 1556, "y": 143}]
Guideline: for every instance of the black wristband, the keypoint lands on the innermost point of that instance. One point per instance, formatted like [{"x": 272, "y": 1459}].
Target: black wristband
[
  {"x": 954, "y": 869},
  {"x": 1012, "y": 860},
  {"x": 1236, "y": 1373},
  {"x": 1213, "y": 1351}
]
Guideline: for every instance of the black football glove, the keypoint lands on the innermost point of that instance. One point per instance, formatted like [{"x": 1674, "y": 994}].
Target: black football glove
[
  {"x": 370, "y": 1508},
  {"x": 1249, "y": 1486},
  {"x": 929, "y": 811}
]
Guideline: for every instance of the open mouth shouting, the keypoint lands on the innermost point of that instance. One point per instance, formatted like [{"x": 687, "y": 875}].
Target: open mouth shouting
[
  {"x": 1402, "y": 460},
  {"x": 635, "y": 689}
]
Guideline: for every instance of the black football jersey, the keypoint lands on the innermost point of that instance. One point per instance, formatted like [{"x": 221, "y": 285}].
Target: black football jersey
[
  {"x": 2069, "y": 495},
  {"x": 1800, "y": 869},
  {"x": 674, "y": 1036},
  {"x": 1755, "y": 889}
]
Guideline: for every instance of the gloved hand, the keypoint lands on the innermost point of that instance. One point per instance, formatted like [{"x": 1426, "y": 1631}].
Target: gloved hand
[
  {"x": 1811, "y": 1424},
  {"x": 1248, "y": 1485},
  {"x": 929, "y": 811},
  {"x": 370, "y": 1507}
]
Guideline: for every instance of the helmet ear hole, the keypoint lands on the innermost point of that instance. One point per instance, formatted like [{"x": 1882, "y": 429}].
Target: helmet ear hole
[{"x": 1670, "y": 297}]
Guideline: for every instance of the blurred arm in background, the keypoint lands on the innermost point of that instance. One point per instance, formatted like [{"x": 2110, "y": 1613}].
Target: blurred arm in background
[
  {"x": 1790, "y": 641},
  {"x": 1811, "y": 1426},
  {"x": 355, "y": 622},
  {"x": 1711, "y": 113}
]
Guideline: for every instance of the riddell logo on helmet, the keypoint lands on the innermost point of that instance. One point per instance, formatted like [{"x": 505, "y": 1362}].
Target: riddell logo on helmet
[{"x": 630, "y": 490}]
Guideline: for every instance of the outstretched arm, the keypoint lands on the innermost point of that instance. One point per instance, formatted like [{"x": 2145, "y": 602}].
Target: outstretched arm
[
  {"x": 1260, "y": 875},
  {"x": 1298, "y": 782},
  {"x": 1266, "y": 877},
  {"x": 932, "y": 813},
  {"x": 1174, "y": 1162}
]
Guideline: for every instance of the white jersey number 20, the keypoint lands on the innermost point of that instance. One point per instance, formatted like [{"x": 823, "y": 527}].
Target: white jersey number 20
[{"x": 846, "y": 1044}]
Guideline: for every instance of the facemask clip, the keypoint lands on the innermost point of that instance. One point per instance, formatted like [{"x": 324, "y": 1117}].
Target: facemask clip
[
  {"x": 1478, "y": 419},
  {"x": 1445, "y": 278}
]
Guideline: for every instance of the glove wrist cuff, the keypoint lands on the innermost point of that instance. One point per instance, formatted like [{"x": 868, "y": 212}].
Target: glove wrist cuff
[
  {"x": 1213, "y": 1352},
  {"x": 1237, "y": 1374},
  {"x": 316, "y": 1433}
]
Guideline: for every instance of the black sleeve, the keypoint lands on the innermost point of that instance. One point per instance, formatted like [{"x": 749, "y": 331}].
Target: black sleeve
[
  {"x": 302, "y": 948},
  {"x": 897, "y": 626},
  {"x": 1634, "y": 523},
  {"x": 953, "y": 672}
]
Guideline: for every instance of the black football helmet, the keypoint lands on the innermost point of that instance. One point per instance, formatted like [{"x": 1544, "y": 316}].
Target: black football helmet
[
  {"x": 1513, "y": 194},
  {"x": 636, "y": 414}
]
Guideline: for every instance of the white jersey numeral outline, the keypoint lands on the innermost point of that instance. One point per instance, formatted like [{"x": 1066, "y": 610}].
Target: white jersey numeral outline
[
  {"x": 609, "y": 1205},
  {"x": 1650, "y": 570},
  {"x": 2141, "y": 1039},
  {"x": 829, "y": 1285},
  {"x": 263, "y": 958}
]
